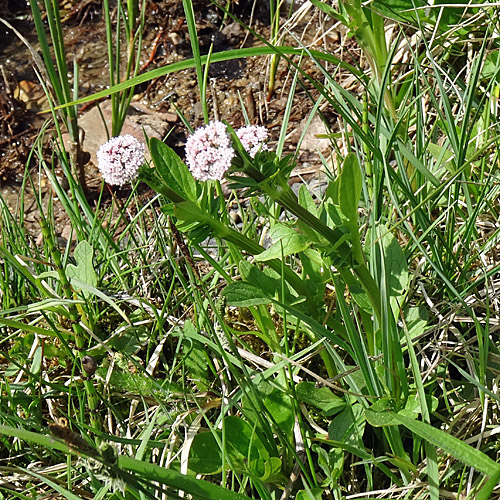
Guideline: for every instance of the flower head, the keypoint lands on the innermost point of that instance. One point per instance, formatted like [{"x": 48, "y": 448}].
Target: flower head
[
  {"x": 120, "y": 158},
  {"x": 209, "y": 152},
  {"x": 253, "y": 138}
]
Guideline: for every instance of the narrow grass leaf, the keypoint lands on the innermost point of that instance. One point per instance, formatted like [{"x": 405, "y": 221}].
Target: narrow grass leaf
[
  {"x": 450, "y": 444},
  {"x": 196, "y": 487},
  {"x": 217, "y": 57},
  {"x": 62, "y": 491},
  {"x": 34, "y": 437}
]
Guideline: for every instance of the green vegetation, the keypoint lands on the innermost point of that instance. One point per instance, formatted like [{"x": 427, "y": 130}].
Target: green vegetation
[{"x": 355, "y": 356}]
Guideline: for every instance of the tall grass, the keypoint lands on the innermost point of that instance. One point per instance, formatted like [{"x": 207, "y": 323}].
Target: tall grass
[{"x": 355, "y": 356}]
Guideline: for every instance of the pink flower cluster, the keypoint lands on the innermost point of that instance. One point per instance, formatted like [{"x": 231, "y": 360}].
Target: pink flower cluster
[
  {"x": 120, "y": 158},
  {"x": 253, "y": 138},
  {"x": 209, "y": 152}
]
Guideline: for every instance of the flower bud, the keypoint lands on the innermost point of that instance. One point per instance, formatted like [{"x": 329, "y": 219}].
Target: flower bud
[{"x": 89, "y": 365}]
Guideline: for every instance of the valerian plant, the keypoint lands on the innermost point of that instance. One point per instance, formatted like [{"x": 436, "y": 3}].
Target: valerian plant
[{"x": 324, "y": 240}]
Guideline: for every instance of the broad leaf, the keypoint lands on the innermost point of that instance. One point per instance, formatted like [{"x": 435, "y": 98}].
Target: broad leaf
[
  {"x": 205, "y": 456},
  {"x": 286, "y": 241},
  {"x": 252, "y": 274},
  {"x": 84, "y": 270},
  {"x": 348, "y": 426},
  {"x": 320, "y": 397},
  {"x": 243, "y": 294},
  {"x": 173, "y": 170}
]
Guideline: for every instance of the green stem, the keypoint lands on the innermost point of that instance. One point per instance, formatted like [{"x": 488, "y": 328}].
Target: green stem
[
  {"x": 188, "y": 210},
  {"x": 284, "y": 195},
  {"x": 55, "y": 254}
]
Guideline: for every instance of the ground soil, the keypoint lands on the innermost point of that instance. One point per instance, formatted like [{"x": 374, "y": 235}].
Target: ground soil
[{"x": 233, "y": 86}]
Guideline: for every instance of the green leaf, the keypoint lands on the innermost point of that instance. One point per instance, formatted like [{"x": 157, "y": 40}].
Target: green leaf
[
  {"x": 307, "y": 201},
  {"x": 34, "y": 437},
  {"x": 205, "y": 456},
  {"x": 252, "y": 274},
  {"x": 243, "y": 447},
  {"x": 276, "y": 402},
  {"x": 311, "y": 494},
  {"x": 327, "y": 9},
  {"x": 400, "y": 10},
  {"x": 455, "y": 447},
  {"x": 416, "y": 320},
  {"x": 379, "y": 418},
  {"x": 243, "y": 294},
  {"x": 313, "y": 266},
  {"x": 84, "y": 270},
  {"x": 320, "y": 397},
  {"x": 348, "y": 426},
  {"x": 195, "y": 359},
  {"x": 172, "y": 170},
  {"x": 242, "y": 442},
  {"x": 269, "y": 470},
  {"x": 332, "y": 463},
  {"x": 491, "y": 65},
  {"x": 351, "y": 184},
  {"x": 287, "y": 241},
  {"x": 396, "y": 271},
  {"x": 196, "y": 487},
  {"x": 36, "y": 364},
  {"x": 395, "y": 267},
  {"x": 130, "y": 340},
  {"x": 80, "y": 285},
  {"x": 450, "y": 444},
  {"x": 56, "y": 487}
]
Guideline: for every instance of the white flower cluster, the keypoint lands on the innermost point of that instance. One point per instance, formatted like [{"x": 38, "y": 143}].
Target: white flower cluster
[
  {"x": 253, "y": 138},
  {"x": 120, "y": 158},
  {"x": 209, "y": 152}
]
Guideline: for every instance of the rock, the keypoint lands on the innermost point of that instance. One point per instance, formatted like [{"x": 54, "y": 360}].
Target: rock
[{"x": 153, "y": 123}]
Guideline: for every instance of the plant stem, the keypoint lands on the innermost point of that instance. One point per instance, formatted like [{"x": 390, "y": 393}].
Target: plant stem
[
  {"x": 55, "y": 254},
  {"x": 284, "y": 195}
]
